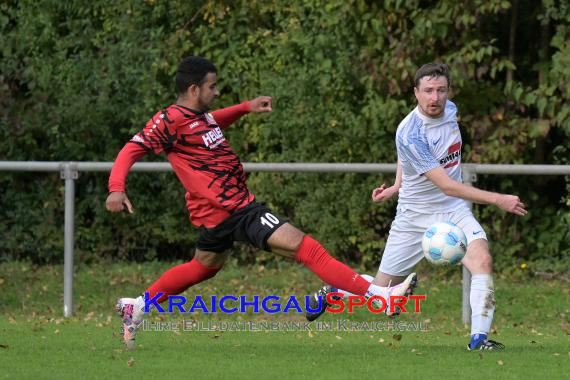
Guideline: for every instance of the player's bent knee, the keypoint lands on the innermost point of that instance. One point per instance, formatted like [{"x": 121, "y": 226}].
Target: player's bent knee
[
  {"x": 287, "y": 238},
  {"x": 211, "y": 259},
  {"x": 479, "y": 262},
  {"x": 486, "y": 262}
]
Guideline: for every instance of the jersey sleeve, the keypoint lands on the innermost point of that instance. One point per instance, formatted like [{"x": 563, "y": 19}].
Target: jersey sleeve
[
  {"x": 126, "y": 158},
  {"x": 226, "y": 116},
  {"x": 418, "y": 154}
]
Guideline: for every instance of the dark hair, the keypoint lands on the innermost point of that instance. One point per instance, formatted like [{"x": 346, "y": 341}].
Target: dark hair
[
  {"x": 192, "y": 70},
  {"x": 432, "y": 70}
]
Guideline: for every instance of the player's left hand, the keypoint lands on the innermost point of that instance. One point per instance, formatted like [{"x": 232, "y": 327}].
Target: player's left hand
[
  {"x": 261, "y": 104},
  {"x": 512, "y": 204}
]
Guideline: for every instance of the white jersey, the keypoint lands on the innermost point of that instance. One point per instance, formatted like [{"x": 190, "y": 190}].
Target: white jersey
[{"x": 424, "y": 144}]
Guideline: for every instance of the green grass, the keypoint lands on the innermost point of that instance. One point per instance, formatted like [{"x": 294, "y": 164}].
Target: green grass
[{"x": 532, "y": 320}]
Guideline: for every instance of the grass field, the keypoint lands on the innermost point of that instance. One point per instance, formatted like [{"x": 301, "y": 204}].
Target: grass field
[{"x": 532, "y": 320}]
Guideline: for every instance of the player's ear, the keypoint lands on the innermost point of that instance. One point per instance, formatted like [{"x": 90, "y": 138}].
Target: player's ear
[{"x": 193, "y": 91}]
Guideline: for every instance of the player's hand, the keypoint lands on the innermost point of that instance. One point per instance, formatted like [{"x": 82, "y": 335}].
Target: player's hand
[
  {"x": 261, "y": 104},
  {"x": 117, "y": 201},
  {"x": 511, "y": 203},
  {"x": 383, "y": 193}
]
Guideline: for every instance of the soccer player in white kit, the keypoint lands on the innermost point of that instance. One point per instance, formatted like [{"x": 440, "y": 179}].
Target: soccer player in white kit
[{"x": 430, "y": 189}]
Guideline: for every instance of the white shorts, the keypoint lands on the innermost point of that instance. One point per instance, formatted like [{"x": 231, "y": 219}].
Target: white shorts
[{"x": 404, "y": 246}]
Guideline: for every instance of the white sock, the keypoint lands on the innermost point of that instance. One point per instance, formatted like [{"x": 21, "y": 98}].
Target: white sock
[
  {"x": 482, "y": 301},
  {"x": 346, "y": 294}
]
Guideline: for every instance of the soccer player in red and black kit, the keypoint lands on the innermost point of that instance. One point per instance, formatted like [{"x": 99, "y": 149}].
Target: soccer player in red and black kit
[{"x": 217, "y": 197}]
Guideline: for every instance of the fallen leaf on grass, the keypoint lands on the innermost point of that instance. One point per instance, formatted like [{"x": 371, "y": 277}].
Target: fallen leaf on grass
[
  {"x": 338, "y": 337},
  {"x": 381, "y": 340},
  {"x": 311, "y": 334},
  {"x": 397, "y": 337},
  {"x": 500, "y": 362},
  {"x": 215, "y": 337},
  {"x": 4, "y": 346},
  {"x": 131, "y": 362}
]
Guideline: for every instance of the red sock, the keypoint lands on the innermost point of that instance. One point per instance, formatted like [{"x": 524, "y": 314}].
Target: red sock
[
  {"x": 178, "y": 279},
  {"x": 315, "y": 257}
]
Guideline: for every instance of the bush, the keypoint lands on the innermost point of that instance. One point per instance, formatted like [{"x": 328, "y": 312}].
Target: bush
[{"x": 79, "y": 78}]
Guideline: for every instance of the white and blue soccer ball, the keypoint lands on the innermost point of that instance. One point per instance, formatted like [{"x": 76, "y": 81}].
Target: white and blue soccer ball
[{"x": 444, "y": 243}]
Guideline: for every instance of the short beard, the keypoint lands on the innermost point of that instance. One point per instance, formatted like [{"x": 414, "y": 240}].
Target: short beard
[{"x": 203, "y": 107}]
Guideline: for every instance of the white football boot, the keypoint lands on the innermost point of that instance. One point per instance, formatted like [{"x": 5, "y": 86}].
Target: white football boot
[
  {"x": 405, "y": 289},
  {"x": 131, "y": 311}
]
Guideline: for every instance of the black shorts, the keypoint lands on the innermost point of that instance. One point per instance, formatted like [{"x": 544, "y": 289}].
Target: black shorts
[{"x": 253, "y": 224}]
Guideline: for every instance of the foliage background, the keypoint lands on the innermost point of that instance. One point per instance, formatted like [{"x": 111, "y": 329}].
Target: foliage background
[{"x": 79, "y": 78}]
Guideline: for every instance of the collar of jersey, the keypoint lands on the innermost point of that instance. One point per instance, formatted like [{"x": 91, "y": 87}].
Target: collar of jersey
[{"x": 197, "y": 113}]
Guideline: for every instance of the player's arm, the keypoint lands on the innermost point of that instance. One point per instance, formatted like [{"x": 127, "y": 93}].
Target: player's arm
[
  {"x": 117, "y": 199},
  {"x": 509, "y": 203},
  {"x": 227, "y": 116},
  {"x": 159, "y": 134},
  {"x": 383, "y": 193}
]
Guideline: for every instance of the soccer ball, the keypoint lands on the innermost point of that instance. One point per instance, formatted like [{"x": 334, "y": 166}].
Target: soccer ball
[{"x": 444, "y": 243}]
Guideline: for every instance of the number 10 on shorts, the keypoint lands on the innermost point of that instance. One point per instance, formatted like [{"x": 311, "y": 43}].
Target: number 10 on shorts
[{"x": 269, "y": 220}]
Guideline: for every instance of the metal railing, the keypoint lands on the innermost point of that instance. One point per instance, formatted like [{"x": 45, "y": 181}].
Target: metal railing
[{"x": 69, "y": 171}]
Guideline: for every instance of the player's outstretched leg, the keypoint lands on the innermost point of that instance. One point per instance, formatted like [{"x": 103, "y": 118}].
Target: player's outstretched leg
[
  {"x": 173, "y": 281},
  {"x": 405, "y": 288},
  {"x": 131, "y": 311}
]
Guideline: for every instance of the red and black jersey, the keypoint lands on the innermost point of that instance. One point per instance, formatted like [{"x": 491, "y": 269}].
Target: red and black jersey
[{"x": 200, "y": 155}]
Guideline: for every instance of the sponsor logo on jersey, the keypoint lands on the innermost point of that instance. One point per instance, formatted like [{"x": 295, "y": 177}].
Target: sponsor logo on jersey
[
  {"x": 137, "y": 138},
  {"x": 194, "y": 124},
  {"x": 453, "y": 156},
  {"x": 213, "y": 138}
]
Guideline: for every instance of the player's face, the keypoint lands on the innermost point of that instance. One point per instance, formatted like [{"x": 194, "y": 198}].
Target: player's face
[
  {"x": 432, "y": 94},
  {"x": 208, "y": 92}
]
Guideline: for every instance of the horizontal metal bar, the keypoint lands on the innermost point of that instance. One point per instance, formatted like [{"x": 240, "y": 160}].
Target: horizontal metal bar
[
  {"x": 517, "y": 169},
  {"x": 320, "y": 167},
  {"x": 86, "y": 166},
  {"x": 30, "y": 166}
]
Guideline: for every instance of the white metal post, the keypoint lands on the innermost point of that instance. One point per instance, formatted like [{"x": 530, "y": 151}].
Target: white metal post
[
  {"x": 68, "y": 173},
  {"x": 468, "y": 178}
]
